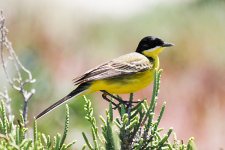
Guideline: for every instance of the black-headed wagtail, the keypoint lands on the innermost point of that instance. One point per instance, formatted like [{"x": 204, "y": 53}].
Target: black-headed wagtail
[{"x": 125, "y": 74}]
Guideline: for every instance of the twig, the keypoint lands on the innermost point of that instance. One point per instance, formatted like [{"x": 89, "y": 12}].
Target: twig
[{"x": 18, "y": 82}]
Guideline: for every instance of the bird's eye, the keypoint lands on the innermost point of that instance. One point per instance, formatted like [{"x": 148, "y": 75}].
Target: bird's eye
[{"x": 145, "y": 46}]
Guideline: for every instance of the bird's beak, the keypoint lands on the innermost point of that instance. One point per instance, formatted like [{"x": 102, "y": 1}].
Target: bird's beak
[{"x": 167, "y": 45}]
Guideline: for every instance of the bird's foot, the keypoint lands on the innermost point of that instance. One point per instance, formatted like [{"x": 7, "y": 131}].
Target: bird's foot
[
  {"x": 104, "y": 96},
  {"x": 119, "y": 99}
]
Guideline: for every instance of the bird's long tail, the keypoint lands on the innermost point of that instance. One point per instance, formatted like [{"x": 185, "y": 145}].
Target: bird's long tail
[{"x": 82, "y": 87}]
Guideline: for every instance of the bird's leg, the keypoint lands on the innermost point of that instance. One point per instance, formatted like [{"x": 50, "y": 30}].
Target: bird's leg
[
  {"x": 130, "y": 101},
  {"x": 104, "y": 96},
  {"x": 114, "y": 97},
  {"x": 129, "y": 105},
  {"x": 119, "y": 99}
]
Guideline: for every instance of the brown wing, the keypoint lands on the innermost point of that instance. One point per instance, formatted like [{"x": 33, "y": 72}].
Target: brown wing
[{"x": 124, "y": 65}]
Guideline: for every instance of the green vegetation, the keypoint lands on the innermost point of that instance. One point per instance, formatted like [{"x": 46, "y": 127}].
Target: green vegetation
[
  {"x": 14, "y": 136},
  {"x": 136, "y": 127}
]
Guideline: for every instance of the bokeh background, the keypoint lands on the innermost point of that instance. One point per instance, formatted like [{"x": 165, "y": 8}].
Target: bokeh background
[{"x": 59, "y": 40}]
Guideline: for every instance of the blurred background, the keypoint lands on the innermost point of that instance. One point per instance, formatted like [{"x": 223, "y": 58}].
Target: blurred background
[{"x": 59, "y": 40}]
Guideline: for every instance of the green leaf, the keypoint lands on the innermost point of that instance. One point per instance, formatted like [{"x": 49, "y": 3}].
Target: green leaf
[
  {"x": 87, "y": 142},
  {"x": 57, "y": 141},
  {"x": 191, "y": 144},
  {"x": 4, "y": 119},
  {"x": 35, "y": 131},
  {"x": 66, "y": 126},
  {"x": 110, "y": 112},
  {"x": 160, "y": 116}
]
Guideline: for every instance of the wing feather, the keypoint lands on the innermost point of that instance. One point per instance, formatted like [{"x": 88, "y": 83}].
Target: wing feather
[{"x": 124, "y": 65}]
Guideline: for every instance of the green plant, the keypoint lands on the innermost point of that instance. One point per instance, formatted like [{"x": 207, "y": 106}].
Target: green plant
[
  {"x": 135, "y": 128},
  {"x": 13, "y": 136}
]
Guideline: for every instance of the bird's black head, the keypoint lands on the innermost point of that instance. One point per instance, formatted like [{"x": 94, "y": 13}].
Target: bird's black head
[{"x": 151, "y": 42}]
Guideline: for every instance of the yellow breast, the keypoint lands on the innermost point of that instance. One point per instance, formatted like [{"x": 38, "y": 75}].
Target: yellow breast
[{"x": 126, "y": 84}]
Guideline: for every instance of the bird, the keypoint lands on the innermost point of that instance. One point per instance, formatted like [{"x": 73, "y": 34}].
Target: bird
[{"x": 123, "y": 75}]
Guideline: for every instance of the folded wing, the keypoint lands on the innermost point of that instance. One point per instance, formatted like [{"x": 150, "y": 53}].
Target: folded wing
[{"x": 127, "y": 64}]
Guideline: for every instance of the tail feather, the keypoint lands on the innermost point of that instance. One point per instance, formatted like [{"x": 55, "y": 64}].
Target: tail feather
[{"x": 75, "y": 92}]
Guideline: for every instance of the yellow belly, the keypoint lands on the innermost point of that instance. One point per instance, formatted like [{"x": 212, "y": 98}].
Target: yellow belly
[{"x": 123, "y": 85}]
